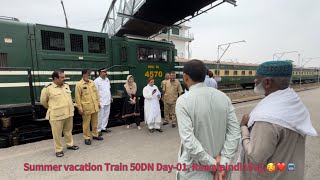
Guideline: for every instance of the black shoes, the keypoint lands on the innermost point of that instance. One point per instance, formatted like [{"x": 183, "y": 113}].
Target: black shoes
[
  {"x": 87, "y": 141},
  {"x": 106, "y": 131},
  {"x": 173, "y": 125},
  {"x": 160, "y": 130},
  {"x": 73, "y": 147},
  {"x": 99, "y": 138},
  {"x": 165, "y": 123},
  {"x": 152, "y": 130},
  {"x": 59, "y": 154}
]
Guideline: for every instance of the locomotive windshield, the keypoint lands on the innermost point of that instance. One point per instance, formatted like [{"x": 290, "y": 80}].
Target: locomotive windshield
[{"x": 152, "y": 54}]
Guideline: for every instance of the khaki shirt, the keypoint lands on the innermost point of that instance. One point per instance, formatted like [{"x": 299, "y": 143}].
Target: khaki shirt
[
  {"x": 58, "y": 101},
  {"x": 86, "y": 97},
  {"x": 163, "y": 83},
  {"x": 171, "y": 91}
]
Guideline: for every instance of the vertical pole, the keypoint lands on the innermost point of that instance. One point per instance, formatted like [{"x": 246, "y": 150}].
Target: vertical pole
[
  {"x": 188, "y": 49},
  {"x": 65, "y": 15},
  {"x": 300, "y": 68},
  {"x": 31, "y": 93},
  {"x": 218, "y": 61},
  {"x": 318, "y": 73}
]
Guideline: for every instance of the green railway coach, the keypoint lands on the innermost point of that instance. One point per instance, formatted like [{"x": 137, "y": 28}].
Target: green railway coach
[{"x": 243, "y": 74}]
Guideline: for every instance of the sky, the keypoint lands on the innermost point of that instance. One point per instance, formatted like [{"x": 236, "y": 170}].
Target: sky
[{"x": 267, "y": 26}]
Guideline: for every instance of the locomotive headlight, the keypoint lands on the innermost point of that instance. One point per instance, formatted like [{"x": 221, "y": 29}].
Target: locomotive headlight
[{"x": 5, "y": 122}]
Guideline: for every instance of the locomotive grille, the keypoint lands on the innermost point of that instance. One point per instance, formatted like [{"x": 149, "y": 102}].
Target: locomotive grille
[
  {"x": 96, "y": 44},
  {"x": 76, "y": 42},
  {"x": 52, "y": 40},
  {"x": 3, "y": 60}
]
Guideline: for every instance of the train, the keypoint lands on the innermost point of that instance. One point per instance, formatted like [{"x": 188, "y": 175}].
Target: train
[
  {"x": 29, "y": 53},
  {"x": 230, "y": 74}
]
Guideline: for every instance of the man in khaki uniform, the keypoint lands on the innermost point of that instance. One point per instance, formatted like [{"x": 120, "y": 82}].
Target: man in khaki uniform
[
  {"x": 165, "y": 80},
  {"x": 87, "y": 100},
  {"x": 172, "y": 90},
  {"x": 56, "y": 97}
]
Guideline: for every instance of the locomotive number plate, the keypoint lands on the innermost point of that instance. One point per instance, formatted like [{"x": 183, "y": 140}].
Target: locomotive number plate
[{"x": 153, "y": 74}]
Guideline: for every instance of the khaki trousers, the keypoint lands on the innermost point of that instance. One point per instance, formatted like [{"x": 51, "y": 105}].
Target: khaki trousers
[
  {"x": 86, "y": 119},
  {"x": 59, "y": 126},
  {"x": 170, "y": 111}
]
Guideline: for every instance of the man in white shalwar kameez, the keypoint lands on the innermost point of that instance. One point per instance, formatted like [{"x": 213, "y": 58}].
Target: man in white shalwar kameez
[
  {"x": 103, "y": 86},
  {"x": 152, "y": 113},
  {"x": 208, "y": 126}
]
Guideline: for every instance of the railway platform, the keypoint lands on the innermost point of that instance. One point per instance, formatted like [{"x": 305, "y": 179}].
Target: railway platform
[{"x": 130, "y": 153}]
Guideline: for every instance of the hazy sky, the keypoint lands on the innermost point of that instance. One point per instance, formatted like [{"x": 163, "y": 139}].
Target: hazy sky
[{"x": 268, "y": 26}]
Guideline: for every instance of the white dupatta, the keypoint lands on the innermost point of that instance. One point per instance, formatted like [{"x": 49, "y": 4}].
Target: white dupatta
[{"x": 285, "y": 109}]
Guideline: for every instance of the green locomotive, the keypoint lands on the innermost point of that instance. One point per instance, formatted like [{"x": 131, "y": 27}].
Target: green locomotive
[{"x": 29, "y": 53}]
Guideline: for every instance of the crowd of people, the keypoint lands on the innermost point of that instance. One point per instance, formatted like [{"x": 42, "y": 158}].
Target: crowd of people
[
  {"x": 275, "y": 131},
  {"x": 93, "y": 100}
]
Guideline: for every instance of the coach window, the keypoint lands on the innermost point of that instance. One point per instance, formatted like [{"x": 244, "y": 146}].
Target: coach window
[
  {"x": 52, "y": 40},
  {"x": 235, "y": 73},
  {"x": 216, "y": 72},
  {"x": 226, "y": 73},
  {"x": 250, "y": 73},
  {"x": 96, "y": 45},
  {"x": 243, "y": 73},
  {"x": 152, "y": 54}
]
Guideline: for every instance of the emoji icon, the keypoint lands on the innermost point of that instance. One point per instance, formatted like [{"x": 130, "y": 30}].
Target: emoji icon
[
  {"x": 291, "y": 167},
  {"x": 271, "y": 167},
  {"x": 281, "y": 166}
]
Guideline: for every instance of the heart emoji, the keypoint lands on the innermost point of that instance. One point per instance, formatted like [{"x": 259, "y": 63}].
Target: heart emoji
[{"x": 281, "y": 166}]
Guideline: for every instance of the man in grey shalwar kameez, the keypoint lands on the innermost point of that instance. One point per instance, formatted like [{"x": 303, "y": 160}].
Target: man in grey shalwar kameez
[
  {"x": 208, "y": 126},
  {"x": 275, "y": 131}
]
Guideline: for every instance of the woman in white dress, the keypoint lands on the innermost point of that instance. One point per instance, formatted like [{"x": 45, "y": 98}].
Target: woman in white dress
[{"x": 152, "y": 113}]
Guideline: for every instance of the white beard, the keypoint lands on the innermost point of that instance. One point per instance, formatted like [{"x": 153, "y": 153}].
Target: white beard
[{"x": 259, "y": 90}]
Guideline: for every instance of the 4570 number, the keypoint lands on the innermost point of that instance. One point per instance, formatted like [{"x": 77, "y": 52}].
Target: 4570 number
[{"x": 153, "y": 74}]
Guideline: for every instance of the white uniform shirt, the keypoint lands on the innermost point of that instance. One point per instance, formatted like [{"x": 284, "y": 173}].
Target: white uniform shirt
[
  {"x": 210, "y": 82},
  {"x": 103, "y": 86}
]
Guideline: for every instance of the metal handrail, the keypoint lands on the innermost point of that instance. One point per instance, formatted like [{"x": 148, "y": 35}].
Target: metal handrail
[{"x": 9, "y": 18}]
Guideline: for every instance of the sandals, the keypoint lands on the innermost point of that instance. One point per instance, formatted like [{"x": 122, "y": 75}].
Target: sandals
[
  {"x": 73, "y": 147},
  {"x": 151, "y": 130},
  {"x": 59, "y": 154}
]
